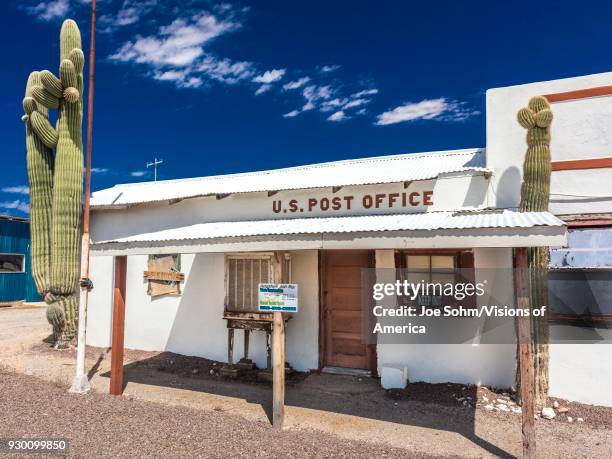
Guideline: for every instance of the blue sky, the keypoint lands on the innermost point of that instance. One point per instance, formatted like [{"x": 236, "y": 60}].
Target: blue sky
[{"x": 220, "y": 87}]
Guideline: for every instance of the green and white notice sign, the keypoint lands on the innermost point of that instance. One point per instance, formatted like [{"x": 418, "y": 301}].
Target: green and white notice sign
[{"x": 278, "y": 297}]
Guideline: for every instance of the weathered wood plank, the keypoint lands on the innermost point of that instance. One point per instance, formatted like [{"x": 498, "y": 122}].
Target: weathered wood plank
[
  {"x": 117, "y": 343},
  {"x": 278, "y": 348},
  {"x": 247, "y": 335},
  {"x": 165, "y": 276},
  {"x": 230, "y": 346},
  {"x": 525, "y": 355},
  {"x": 278, "y": 371}
]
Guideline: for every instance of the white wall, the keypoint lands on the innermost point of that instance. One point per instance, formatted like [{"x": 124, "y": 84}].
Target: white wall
[
  {"x": 581, "y": 129},
  {"x": 100, "y": 304},
  {"x": 192, "y": 323},
  {"x": 581, "y": 371},
  {"x": 489, "y": 364}
]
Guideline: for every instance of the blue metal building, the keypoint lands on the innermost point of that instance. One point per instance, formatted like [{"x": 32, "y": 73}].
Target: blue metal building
[{"x": 16, "y": 282}]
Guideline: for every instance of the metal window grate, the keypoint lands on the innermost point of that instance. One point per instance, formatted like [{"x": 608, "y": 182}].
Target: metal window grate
[{"x": 243, "y": 277}]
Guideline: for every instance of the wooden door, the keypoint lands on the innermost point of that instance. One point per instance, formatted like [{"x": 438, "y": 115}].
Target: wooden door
[{"x": 343, "y": 346}]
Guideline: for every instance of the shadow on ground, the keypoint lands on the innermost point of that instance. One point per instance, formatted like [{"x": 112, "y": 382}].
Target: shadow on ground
[{"x": 433, "y": 406}]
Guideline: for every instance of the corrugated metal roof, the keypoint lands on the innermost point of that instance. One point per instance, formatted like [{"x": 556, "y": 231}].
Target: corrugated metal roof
[
  {"x": 404, "y": 222},
  {"x": 383, "y": 169}
]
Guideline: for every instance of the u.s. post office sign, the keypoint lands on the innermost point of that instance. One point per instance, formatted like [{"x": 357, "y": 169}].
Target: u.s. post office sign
[
  {"x": 363, "y": 200},
  {"x": 278, "y": 298}
]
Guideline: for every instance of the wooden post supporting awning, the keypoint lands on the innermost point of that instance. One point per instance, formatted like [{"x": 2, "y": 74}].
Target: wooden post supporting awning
[
  {"x": 525, "y": 354},
  {"x": 116, "y": 380},
  {"x": 278, "y": 347}
]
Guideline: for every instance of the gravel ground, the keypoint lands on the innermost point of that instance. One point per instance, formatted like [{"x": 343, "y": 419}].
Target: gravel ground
[{"x": 104, "y": 426}]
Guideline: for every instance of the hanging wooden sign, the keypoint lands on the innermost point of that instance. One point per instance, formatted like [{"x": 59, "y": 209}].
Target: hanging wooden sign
[{"x": 163, "y": 275}]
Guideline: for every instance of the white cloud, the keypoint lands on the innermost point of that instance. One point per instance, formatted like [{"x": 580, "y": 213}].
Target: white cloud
[
  {"x": 440, "y": 109},
  {"x": 263, "y": 88},
  {"x": 131, "y": 12},
  {"x": 291, "y": 114},
  {"x": 356, "y": 103},
  {"x": 138, "y": 173},
  {"x": 296, "y": 83},
  {"x": 48, "y": 11},
  {"x": 363, "y": 111},
  {"x": 365, "y": 92},
  {"x": 225, "y": 70},
  {"x": 338, "y": 116},
  {"x": 314, "y": 94},
  {"x": 329, "y": 68},
  {"x": 21, "y": 189},
  {"x": 16, "y": 204},
  {"x": 178, "y": 52},
  {"x": 270, "y": 76},
  {"x": 99, "y": 170},
  {"x": 333, "y": 104},
  {"x": 178, "y": 44},
  {"x": 326, "y": 98},
  {"x": 181, "y": 78}
]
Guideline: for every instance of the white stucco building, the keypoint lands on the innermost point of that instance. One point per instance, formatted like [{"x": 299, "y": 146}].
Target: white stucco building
[{"x": 449, "y": 209}]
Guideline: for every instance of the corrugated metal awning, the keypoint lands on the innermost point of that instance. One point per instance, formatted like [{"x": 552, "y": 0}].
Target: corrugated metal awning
[
  {"x": 367, "y": 171},
  {"x": 501, "y": 224}
]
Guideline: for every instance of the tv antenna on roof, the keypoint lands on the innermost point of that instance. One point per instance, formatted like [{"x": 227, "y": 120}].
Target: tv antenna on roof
[{"x": 154, "y": 166}]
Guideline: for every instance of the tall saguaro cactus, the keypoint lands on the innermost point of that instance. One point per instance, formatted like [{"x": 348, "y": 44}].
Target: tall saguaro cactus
[
  {"x": 535, "y": 196},
  {"x": 56, "y": 183}
]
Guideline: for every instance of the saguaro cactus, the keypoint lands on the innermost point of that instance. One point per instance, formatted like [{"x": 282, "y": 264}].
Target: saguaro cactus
[
  {"x": 56, "y": 184},
  {"x": 535, "y": 196}
]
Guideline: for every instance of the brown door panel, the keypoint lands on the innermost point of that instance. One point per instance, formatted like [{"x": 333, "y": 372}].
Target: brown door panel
[
  {"x": 345, "y": 321},
  {"x": 342, "y": 309},
  {"x": 345, "y": 276},
  {"x": 345, "y": 298},
  {"x": 350, "y": 361}
]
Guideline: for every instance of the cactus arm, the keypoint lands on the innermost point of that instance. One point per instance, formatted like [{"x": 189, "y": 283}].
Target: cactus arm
[
  {"x": 44, "y": 97},
  {"x": 525, "y": 118},
  {"x": 69, "y": 80},
  {"x": 29, "y": 105},
  {"x": 68, "y": 75},
  {"x": 51, "y": 83},
  {"x": 78, "y": 59},
  {"x": 543, "y": 118},
  {"x": 43, "y": 129}
]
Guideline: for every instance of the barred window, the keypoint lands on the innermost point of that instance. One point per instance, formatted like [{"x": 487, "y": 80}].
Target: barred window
[{"x": 244, "y": 273}]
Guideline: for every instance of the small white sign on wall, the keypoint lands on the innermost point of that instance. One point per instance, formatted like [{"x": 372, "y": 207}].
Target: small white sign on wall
[{"x": 278, "y": 298}]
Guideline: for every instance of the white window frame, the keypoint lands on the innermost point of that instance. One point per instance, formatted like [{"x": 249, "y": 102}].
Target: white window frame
[{"x": 23, "y": 264}]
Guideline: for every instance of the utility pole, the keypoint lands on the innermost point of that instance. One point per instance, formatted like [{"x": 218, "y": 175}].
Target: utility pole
[
  {"x": 154, "y": 166},
  {"x": 80, "y": 384}
]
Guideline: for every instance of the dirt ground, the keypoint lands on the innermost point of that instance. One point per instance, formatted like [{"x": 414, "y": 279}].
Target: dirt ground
[
  {"x": 425, "y": 420},
  {"x": 104, "y": 426}
]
